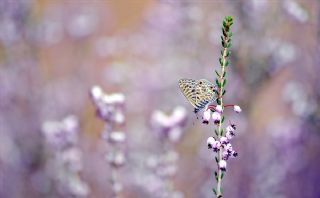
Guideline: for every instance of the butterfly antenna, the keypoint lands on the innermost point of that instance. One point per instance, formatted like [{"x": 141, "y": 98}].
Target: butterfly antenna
[{"x": 197, "y": 116}]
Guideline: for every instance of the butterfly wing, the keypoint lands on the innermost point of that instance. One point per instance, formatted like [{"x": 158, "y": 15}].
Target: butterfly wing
[
  {"x": 204, "y": 93},
  {"x": 198, "y": 92},
  {"x": 188, "y": 88}
]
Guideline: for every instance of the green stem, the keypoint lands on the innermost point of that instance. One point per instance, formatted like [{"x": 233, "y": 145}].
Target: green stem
[
  {"x": 219, "y": 182},
  {"x": 226, "y": 43}
]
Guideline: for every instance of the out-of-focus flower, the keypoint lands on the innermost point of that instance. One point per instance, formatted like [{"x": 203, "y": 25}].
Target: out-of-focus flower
[
  {"x": 179, "y": 115},
  {"x": 108, "y": 107},
  {"x": 96, "y": 92},
  {"x": 117, "y": 187},
  {"x": 72, "y": 158},
  {"x": 237, "y": 108},
  {"x": 296, "y": 10},
  {"x": 116, "y": 159},
  {"x": 170, "y": 129},
  {"x": 61, "y": 134},
  {"x": 61, "y": 138},
  {"x": 116, "y": 137},
  {"x": 82, "y": 24},
  {"x": 159, "y": 119},
  {"x": 174, "y": 134},
  {"x": 169, "y": 126}
]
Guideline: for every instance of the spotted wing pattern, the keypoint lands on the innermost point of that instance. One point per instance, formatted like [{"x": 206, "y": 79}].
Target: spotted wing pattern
[{"x": 198, "y": 92}]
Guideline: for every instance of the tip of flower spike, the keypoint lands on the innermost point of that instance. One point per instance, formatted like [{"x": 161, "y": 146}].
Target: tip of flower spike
[
  {"x": 228, "y": 18},
  {"x": 237, "y": 108}
]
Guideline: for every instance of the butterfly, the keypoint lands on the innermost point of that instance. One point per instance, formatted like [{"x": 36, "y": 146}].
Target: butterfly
[{"x": 198, "y": 92}]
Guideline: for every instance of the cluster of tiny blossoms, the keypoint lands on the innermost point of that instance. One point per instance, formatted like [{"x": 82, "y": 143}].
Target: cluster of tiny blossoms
[
  {"x": 110, "y": 109},
  {"x": 169, "y": 128},
  {"x": 223, "y": 143},
  {"x": 65, "y": 161}
]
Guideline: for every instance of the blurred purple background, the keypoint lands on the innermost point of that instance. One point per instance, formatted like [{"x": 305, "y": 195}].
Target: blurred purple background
[{"x": 52, "y": 52}]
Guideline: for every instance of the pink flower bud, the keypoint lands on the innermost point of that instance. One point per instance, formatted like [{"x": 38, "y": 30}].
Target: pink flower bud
[
  {"x": 230, "y": 128},
  {"x": 229, "y": 135},
  {"x": 237, "y": 108},
  {"x": 216, "y": 117},
  {"x": 219, "y": 108},
  {"x": 230, "y": 131},
  {"x": 211, "y": 142},
  {"x": 206, "y": 116},
  {"x": 223, "y": 165}
]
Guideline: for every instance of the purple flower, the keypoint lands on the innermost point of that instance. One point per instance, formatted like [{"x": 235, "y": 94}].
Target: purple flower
[
  {"x": 231, "y": 128},
  {"x": 224, "y": 140},
  {"x": 228, "y": 147},
  {"x": 206, "y": 116},
  {"x": 229, "y": 135},
  {"x": 225, "y": 155},
  {"x": 216, "y": 117},
  {"x": 216, "y": 146},
  {"x": 210, "y": 142},
  {"x": 223, "y": 165}
]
